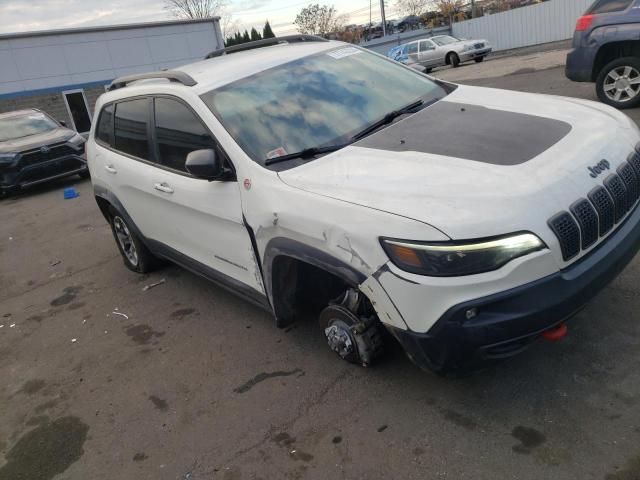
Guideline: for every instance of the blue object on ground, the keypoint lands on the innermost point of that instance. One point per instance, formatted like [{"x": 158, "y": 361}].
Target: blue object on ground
[{"x": 70, "y": 193}]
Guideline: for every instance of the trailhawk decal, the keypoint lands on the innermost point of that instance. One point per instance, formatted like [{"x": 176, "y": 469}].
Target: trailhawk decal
[{"x": 471, "y": 132}]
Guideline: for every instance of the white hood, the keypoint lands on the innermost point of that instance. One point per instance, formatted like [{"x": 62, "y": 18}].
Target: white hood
[{"x": 466, "y": 198}]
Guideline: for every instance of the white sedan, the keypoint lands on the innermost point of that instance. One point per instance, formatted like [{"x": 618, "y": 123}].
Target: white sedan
[{"x": 441, "y": 50}]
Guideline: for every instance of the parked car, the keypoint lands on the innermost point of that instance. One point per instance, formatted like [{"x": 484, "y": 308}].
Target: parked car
[
  {"x": 429, "y": 53},
  {"x": 35, "y": 148},
  {"x": 466, "y": 221},
  {"x": 606, "y": 50}
]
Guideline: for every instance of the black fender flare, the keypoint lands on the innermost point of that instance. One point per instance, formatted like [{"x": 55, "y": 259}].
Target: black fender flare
[{"x": 292, "y": 249}]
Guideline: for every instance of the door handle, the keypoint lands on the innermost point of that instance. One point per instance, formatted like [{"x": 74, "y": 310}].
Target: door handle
[
  {"x": 110, "y": 169},
  {"x": 163, "y": 187}
]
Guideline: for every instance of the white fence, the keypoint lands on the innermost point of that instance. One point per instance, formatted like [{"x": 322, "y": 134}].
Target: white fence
[{"x": 542, "y": 23}]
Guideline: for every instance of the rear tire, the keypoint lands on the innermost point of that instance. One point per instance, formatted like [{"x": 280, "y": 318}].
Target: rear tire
[
  {"x": 454, "y": 60},
  {"x": 135, "y": 254},
  {"x": 479, "y": 59},
  {"x": 618, "y": 83},
  {"x": 428, "y": 70}
]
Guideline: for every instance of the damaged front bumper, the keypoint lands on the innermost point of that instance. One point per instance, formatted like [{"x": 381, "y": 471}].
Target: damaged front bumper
[{"x": 502, "y": 324}]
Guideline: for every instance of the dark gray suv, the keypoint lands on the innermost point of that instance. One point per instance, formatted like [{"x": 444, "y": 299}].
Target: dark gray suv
[
  {"x": 35, "y": 148},
  {"x": 606, "y": 50}
]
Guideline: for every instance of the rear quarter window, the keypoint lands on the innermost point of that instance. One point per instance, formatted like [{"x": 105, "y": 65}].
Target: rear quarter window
[{"x": 608, "y": 6}]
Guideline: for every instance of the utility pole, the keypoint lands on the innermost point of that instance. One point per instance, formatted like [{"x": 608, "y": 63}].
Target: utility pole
[
  {"x": 384, "y": 20},
  {"x": 473, "y": 8}
]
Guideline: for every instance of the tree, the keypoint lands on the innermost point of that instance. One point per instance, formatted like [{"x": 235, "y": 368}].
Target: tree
[
  {"x": 412, "y": 7},
  {"x": 255, "y": 35},
  {"x": 449, "y": 8},
  {"x": 245, "y": 37},
  {"x": 193, "y": 9},
  {"x": 266, "y": 31},
  {"x": 318, "y": 19}
]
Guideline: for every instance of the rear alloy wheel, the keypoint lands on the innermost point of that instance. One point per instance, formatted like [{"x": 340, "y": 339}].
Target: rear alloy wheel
[
  {"x": 135, "y": 254},
  {"x": 618, "y": 84},
  {"x": 479, "y": 59},
  {"x": 454, "y": 60}
]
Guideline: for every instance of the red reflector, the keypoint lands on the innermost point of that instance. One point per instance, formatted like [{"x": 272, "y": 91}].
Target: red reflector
[
  {"x": 584, "y": 22},
  {"x": 556, "y": 333}
]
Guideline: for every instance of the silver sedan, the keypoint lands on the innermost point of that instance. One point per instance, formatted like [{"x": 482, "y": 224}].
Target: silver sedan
[{"x": 441, "y": 50}]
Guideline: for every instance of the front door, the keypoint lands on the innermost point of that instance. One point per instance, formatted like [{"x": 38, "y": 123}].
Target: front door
[{"x": 198, "y": 218}]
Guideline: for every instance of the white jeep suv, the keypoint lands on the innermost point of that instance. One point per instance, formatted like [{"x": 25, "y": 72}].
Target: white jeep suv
[{"x": 465, "y": 221}]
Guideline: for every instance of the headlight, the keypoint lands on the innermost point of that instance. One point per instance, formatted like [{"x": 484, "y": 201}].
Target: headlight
[
  {"x": 8, "y": 158},
  {"x": 449, "y": 259},
  {"x": 468, "y": 48}
]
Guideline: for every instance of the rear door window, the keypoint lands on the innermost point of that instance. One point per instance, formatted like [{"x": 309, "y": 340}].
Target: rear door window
[
  {"x": 426, "y": 45},
  {"x": 132, "y": 119},
  {"x": 608, "y": 6},
  {"x": 178, "y": 132},
  {"x": 104, "y": 130}
]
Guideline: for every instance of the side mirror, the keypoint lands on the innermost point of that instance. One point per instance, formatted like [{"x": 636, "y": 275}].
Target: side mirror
[
  {"x": 62, "y": 122},
  {"x": 204, "y": 164}
]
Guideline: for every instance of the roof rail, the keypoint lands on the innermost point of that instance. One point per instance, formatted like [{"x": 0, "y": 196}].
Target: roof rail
[
  {"x": 267, "y": 42},
  {"x": 171, "y": 75}
]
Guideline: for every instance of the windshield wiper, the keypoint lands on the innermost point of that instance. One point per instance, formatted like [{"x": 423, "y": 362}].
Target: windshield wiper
[
  {"x": 388, "y": 118},
  {"x": 306, "y": 153},
  {"x": 313, "y": 151}
]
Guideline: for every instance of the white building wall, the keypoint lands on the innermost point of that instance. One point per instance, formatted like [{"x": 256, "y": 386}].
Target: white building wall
[
  {"x": 33, "y": 64},
  {"x": 542, "y": 23}
]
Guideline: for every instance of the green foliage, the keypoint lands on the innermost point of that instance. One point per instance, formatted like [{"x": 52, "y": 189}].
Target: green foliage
[
  {"x": 316, "y": 19},
  {"x": 266, "y": 31},
  {"x": 255, "y": 35}
]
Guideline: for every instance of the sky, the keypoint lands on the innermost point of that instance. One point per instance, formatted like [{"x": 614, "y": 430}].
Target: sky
[{"x": 31, "y": 15}]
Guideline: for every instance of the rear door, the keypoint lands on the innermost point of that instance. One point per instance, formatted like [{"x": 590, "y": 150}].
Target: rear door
[
  {"x": 130, "y": 164},
  {"x": 198, "y": 218}
]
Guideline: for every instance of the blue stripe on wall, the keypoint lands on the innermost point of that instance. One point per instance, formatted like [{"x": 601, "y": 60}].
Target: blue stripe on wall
[{"x": 44, "y": 91}]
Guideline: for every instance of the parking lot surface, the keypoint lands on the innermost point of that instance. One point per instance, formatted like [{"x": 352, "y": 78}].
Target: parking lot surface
[{"x": 102, "y": 379}]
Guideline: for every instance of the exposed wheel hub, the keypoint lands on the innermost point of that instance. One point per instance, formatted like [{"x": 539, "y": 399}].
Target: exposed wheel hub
[
  {"x": 352, "y": 330},
  {"x": 339, "y": 339}
]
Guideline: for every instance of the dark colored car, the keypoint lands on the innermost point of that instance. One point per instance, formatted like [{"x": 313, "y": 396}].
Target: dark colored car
[
  {"x": 35, "y": 148},
  {"x": 606, "y": 50}
]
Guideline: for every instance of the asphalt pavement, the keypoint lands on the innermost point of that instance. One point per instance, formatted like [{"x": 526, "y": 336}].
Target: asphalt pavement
[{"x": 102, "y": 379}]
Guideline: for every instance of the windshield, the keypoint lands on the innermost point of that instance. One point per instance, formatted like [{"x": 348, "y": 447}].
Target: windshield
[
  {"x": 445, "y": 40},
  {"x": 319, "y": 100},
  {"x": 25, "y": 125}
]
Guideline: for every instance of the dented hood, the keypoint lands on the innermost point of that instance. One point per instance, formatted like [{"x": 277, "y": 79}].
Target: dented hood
[{"x": 481, "y": 162}]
